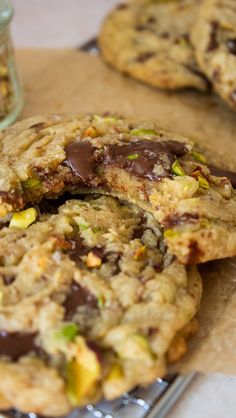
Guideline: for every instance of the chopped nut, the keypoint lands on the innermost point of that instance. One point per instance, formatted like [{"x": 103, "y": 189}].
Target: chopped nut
[
  {"x": 82, "y": 373},
  {"x": 177, "y": 349},
  {"x": 23, "y": 219},
  {"x": 132, "y": 157},
  {"x": 171, "y": 233},
  {"x": 101, "y": 302},
  {"x": 32, "y": 184},
  {"x": 106, "y": 119},
  {"x": 115, "y": 373},
  {"x": 91, "y": 132},
  {"x": 143, "y": 132},
  {"x": 199, "y": 157},
  {"x": 67, "y": 333},
  {"x": 203, "y": 182},
  {"x": 139, "y": 253},
  {"x": 177, "y": 169},
  {"x": 93, "y": 260}
]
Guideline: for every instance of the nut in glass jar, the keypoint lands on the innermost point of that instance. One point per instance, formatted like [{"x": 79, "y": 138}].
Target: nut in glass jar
[{"x": 11, "y": 95}]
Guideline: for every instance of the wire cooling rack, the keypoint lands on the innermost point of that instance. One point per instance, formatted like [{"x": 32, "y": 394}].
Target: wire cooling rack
[{"x": 153, "y": 402}]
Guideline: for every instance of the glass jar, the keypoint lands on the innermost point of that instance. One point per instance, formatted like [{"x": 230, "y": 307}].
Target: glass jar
[{"x": 11, "y": 95}]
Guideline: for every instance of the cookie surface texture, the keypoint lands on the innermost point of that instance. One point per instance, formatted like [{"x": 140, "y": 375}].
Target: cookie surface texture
[{"x": 150, "y": 41}]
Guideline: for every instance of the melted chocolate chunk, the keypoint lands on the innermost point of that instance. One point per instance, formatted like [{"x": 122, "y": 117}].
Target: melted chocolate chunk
[
  {"x": 16, "y": 344},
  {"x": 213, "y": 44},
  {"x": 81, "y": 159},
  {"x": 231, "y": 43},
  {"x": 220, "y": 172},
  {"x": 144, "y": 56},
  {"x": 140, "y": 157},
  {"x": 78, "y": 296}
]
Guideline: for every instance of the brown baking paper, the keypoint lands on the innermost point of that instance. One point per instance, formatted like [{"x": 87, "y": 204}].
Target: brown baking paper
[{"x": 72, "y": 81}]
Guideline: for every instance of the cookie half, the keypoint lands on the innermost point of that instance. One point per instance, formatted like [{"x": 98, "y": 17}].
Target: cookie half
[
  {"x": 150, "y": 41},
  {"x": 160, "y": 171},
  {"x": 214, "y": 38},
  {"x": 89, "y": 300}
]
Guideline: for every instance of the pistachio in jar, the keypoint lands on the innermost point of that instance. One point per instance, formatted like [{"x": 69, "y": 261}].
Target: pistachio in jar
[{"x": 11, "y": 97}]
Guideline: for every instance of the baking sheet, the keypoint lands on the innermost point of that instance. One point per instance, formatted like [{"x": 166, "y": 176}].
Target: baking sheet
[{"x": 72, "y": 81}]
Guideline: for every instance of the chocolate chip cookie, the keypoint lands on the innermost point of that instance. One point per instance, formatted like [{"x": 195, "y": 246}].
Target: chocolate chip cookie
[
  {"x": 150, "y": 41},
  {"x": 138, "y": 161},
  {"x": 214, "y": 38},
  {"x": 89, "y": 299}
]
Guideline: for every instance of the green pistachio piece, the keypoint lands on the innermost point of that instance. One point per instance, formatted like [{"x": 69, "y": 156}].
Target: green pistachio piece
[
  {"x": 171, "y": 233},
  {"x": 143, "y": 132},
  {"x": 23, "y": 219},
  {"x": 132, "y": 157},
  {"x": 203, "y": 182},
  {"x": 83, "y": 227},
  {"x": 177, "y": 169},
  {"x": 67, "y": 333},
  {"x": 31, "y": 184},
  {"x": 101, "y": 302},
  {"x": 106, "y": 119},
  {"x": 199, "y": 157},
  {"x": 96, "y": 229}
]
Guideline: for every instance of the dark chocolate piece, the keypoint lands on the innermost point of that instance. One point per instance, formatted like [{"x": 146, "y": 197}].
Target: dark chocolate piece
[
  {"x": 221, "y": 172},
  {"x": 16, "y": 344},
  {"x": 81, "y": 159},
  {"x": 137, "y": 157},
  {"x": 78, "y": 296}
]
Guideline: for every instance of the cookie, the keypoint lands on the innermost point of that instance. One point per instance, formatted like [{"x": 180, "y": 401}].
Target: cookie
[
  {"x": 150, "y": 41},
  {"x": 160, "y": 171},
  {"x": 89, "y": 299},
  {"x": 214, "y": 38}
]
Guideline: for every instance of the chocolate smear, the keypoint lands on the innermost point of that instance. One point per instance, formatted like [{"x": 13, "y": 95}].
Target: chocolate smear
[
  {"x": 139, "y": 158},
  {"x": 221, "y": 172},
  {"x": 16, "y": 344},
  {"x": 81, "y": 159}
]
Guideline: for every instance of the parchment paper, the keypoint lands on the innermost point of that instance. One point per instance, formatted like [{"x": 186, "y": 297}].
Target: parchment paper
[{"x": 71, "y": 81}]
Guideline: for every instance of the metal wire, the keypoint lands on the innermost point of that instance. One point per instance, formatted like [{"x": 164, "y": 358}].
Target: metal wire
[{"x": 153, "y": 402}]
